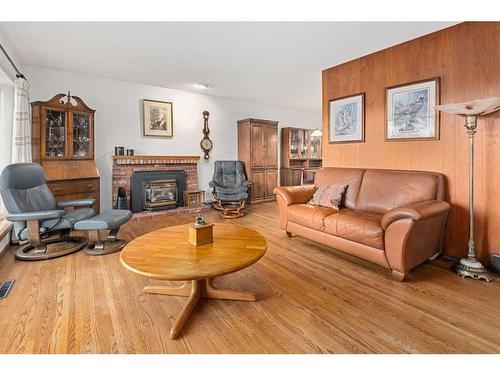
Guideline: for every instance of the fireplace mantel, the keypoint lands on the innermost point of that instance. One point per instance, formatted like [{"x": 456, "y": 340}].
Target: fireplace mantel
[{"x": 155, "y": 159}]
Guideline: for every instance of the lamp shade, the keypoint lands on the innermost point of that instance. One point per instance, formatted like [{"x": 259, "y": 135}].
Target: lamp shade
[
  {"x": 473, "y": 108},
  {"x": 317, "y": 133}
]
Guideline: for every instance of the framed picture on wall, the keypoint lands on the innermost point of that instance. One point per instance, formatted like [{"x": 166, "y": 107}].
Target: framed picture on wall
[
  {"x": 410, "y": 113},
  {"x": 158, "y": 119},
  {"x": 347, "y": 119}
]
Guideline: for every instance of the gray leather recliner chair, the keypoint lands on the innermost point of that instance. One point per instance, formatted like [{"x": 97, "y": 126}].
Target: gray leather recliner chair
[
  {"x": 230, "y": 188},
  {"x": 37, "y": 215}
]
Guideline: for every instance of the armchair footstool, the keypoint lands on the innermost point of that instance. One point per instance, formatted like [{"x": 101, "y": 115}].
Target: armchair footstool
[{"x": 108, "y": 220}]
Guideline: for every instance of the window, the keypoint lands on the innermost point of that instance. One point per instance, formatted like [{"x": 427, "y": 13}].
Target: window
[{"x": 6, "y": 120}]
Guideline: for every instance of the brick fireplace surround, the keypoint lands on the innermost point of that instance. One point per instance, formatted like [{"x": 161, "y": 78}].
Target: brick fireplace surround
[{"x": 124, "y": 166}]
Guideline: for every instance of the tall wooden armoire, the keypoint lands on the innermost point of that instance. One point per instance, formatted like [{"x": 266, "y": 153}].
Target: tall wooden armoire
[
  {"x": 258, "y": 149},
  {"x": 63, "y": 143}
]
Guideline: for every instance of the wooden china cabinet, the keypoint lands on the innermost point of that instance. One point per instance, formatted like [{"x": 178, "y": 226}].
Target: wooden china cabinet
[
  {"x": 258, "y": 149},
  {"x": 63, "y": 143},
  {"x": 301, "y": 156}
]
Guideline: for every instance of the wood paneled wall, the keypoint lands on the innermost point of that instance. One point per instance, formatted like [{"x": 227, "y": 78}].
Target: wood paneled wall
[{"x": 467, "y": 59}]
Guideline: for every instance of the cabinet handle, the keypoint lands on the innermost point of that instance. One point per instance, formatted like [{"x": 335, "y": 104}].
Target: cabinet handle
[
  {"x": 56, "y": 189},
  {"x": 90, "y": 186}
]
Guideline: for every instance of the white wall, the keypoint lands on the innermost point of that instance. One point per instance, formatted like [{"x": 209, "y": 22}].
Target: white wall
[{"x": 118, "y": 119}]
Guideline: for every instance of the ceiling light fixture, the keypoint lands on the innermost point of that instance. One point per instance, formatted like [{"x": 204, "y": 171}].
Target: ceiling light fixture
[{"x": 202, "y": 86}]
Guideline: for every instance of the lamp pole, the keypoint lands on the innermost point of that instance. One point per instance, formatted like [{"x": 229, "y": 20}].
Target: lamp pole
[{"x": 470, "y": 266}]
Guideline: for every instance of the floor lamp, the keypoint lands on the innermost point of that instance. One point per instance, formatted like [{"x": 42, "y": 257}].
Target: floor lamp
[{"x": 470, "y": 266}]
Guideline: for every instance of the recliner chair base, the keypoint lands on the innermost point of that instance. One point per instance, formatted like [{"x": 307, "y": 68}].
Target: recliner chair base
[
  {"x": 109, "y": 246},
  {"x": 231, "y": 210},
  {"x": 44, "y": 251}
]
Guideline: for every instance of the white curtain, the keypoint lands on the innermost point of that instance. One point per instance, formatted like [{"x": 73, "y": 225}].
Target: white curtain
[{"x": 21, "y": 131}]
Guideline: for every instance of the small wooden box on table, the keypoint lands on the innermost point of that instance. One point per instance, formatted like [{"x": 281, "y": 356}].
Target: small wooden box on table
[{"x": 201, "y": 235}]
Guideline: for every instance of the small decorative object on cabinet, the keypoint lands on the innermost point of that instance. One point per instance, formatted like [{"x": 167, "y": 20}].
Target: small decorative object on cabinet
[
  {"x": 158, "y": 119},
  {"x": 206, "y": 144},
  {"x": 193, "y": 198},
  {"x": 301, "y": 155},
  {"x": 257, "y": 148},
  {"x": 470, "y": 266},
  {"x": 63, "y": 143}
]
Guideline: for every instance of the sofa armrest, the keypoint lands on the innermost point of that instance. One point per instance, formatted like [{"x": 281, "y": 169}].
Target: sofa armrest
[
  {"x": 416, "y": 211},
  {"x": 76, "y": 203},
  {"x": 35, "y": 215},
  {"x": 295, "y": 194}
]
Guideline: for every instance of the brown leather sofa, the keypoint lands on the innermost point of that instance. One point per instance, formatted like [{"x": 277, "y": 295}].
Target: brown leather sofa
[{"x": 395, "y": 219}]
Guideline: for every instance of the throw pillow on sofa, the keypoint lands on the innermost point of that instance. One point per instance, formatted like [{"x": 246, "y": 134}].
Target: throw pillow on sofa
[{"x": 329, "y": 196}]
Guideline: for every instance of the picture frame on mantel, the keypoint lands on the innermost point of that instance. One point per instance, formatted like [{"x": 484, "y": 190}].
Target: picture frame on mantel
[
  {"x": 157, "y": 119},
  {"x": 410, "y": 113},
  {"x": 347, "y": 119}
]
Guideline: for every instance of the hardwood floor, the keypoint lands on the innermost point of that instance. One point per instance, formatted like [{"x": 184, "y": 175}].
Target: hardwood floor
[{"x": 312, "y": 299}]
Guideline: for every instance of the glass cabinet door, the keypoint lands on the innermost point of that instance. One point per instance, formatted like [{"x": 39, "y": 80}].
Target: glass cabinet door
[
  {"x": 304, "y": 138},
  {"x": 316, "y": 147},
  {"x": 81, "y": 135},
  {"x": 294, "y": 143},
  {"x": 55, "y": 133}
]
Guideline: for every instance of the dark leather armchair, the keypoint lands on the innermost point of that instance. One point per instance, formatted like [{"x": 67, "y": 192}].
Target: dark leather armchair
[
  {"x": 36, "y": 214},
  {"x": 230, "y": 187}
]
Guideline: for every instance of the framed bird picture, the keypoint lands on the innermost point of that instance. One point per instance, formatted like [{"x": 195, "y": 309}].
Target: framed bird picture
[
  {"x": 347, "y": 119},
  {"x": 410, "y": 113}
]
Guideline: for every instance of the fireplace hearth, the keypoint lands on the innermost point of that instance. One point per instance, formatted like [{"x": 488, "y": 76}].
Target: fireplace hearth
[{"x": 157, "y": 190}]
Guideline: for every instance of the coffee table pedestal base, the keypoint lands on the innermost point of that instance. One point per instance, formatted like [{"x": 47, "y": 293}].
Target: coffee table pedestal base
[{"x": 195, "y": 290}]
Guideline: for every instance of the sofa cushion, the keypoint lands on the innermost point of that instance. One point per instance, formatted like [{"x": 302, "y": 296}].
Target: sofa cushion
[
  {"x": 329, "y": 196},
  {"x": 343, "y": 176},
  {"x": 357, "y": 226},
  {"x": 309, "y": 216},
  {"x": 384, "y": 190}
]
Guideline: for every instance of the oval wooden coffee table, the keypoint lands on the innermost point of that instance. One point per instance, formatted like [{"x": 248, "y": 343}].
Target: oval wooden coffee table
[{"x": 166, "y": 254}]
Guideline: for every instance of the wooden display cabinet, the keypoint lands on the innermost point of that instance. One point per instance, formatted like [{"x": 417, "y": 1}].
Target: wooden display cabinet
[
  {"x": 258, "y": 149},
  {"x": 301, "y": 155},
  {"x": 63, "y": 143}
]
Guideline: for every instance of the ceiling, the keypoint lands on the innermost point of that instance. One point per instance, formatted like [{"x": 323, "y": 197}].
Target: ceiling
[{"x": 274, "y": 63}]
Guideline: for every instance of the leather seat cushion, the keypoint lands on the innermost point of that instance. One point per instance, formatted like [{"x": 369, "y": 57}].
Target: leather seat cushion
[
  {"x": 230, "y": 190},
  {"x": 357, "y": 226},
  {"x": 106, "y": 220},
  {"x": 308, "y": 215},
  {"x": 242, "y": 195}
]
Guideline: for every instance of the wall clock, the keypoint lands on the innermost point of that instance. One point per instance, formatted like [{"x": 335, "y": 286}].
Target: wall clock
[{"x": 206, "y": 144}]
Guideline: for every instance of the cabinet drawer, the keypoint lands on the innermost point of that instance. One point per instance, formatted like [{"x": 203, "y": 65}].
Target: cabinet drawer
[{"x": 73, "y": 187}]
